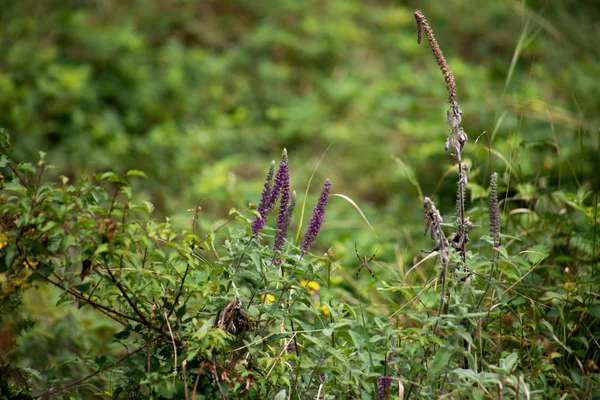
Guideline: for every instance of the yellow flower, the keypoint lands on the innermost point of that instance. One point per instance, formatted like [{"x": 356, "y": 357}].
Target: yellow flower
[
  {"x": 29, "y": 263},
  {"x": 3, "y": 240},
  {"x": 268, "y": 298},
  {"x": 312, "y": 286},
  {"x": 325, "y": 310}
]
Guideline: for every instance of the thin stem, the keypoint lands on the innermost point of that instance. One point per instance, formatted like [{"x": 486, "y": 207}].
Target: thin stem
[
  {"x": 126, "y": 296},
  {"x": 103, "y": 309},
  {"x": 173, "y": 340},
  {"x": 14, "y": 170}
]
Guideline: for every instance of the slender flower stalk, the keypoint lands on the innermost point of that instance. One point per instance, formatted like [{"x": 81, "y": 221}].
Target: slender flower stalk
[
  {"x": 279, "y": 180},
  {"x": 494, "y": 231},
  {"x": 283, "y": 182},
  {"x": 282, "y": 227},
  {"x": 457, "y": 137},
  {"x": 316, "y": 220},
  {"x": 494, "y": 211},
  {"x": 263, "y": 206},
  {"x": 290, "y": 209}
]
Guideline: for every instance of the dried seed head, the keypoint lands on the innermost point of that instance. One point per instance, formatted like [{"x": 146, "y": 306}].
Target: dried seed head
[
  {"x": 422, "y": 24},
  {"x": 457, "y": 137}
]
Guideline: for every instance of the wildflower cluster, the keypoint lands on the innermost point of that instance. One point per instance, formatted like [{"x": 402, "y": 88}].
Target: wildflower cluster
[{"x": 277, "y": 188}]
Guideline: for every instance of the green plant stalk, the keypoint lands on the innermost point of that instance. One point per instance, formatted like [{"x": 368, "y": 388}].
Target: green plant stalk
[
  {"x": 595, "y": 234},
  {"x": 362, "y": 315},
  {"x": 312, "y": 374}
]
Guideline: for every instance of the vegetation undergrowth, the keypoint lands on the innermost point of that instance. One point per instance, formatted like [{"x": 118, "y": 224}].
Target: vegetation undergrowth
[{"x": 244, "y": 311}]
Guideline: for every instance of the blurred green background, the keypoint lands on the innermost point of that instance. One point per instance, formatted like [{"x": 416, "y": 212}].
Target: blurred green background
[{"x": 201, "y": 95}]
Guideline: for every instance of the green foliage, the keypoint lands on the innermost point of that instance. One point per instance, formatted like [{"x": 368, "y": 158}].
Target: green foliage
[{"x": 173, "y": 328}]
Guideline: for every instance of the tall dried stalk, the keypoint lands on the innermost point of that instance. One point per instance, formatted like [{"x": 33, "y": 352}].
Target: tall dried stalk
[{"x": 456, "y": 140}]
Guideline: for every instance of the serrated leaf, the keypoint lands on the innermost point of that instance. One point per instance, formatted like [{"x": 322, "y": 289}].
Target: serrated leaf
[
  {"x": 27, "y": 168},
  {"x": 439, "y": 362},
  {"x": 538, "y": 253},
  {"x": 314, "y": 340},
  {"x": 502, "y": 251},
  {"x": 508, "y": 362},
  {"x": 256, "y": 261},
  {"x": 375, "y": 338},
  {"x": 149, "y": 206},
  {"x": 356, "y": 339}
]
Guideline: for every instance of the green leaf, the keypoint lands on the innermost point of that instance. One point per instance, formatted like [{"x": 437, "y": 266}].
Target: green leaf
[
  {"x": 103, "y": 248},
  {"x": 109, "y": 176},
  {"x": 135, "y": 172},
  {"x": 256, "y": 261},
  {"x": 122, "y": 335},
  {"x": 439, "y": 362},
  {"x": 4, "y": 161},
  {"x": 181, "y": 311},
  {"x": 594, "y": 310},
  {"x": 536, "y": 254},
  {"x": 282, "y": 395},
  {"x": 508, "y": 362},
  {"x": 9, "y": 258},
  {"x": 149, "y": 206}
]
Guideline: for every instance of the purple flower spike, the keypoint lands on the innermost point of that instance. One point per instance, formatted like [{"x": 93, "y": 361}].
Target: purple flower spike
[
  {"x": 383, "y": 386},
  {"x": 263, "y": 210},
  {"x": 283, "y": 181},
  {"x": 280, "y": 178},
  {"x": 314, "y": 225}
]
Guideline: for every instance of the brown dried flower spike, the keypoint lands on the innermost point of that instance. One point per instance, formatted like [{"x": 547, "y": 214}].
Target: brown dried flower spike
[{"x": 422, "y": 24}]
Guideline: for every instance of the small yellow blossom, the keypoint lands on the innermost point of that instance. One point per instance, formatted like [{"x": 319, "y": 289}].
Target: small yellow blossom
[
  {"x": 268, "y": 298},
  {"x": 325, "y": 310},
  {"x": 29, "y": 263},
  {"x": 3, "y": 240},
  {"x": 312, "y": 286}
]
